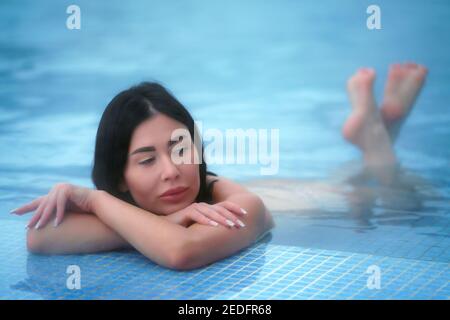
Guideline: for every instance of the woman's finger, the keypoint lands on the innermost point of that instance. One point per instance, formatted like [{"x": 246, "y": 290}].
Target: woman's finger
[
  {"x": 216, "y": 215},
  {"x": 199, "y": 217},
  {"x": 229, "y": 215},
  {"x": 28, "y": 207},
  {"x": 233, "y": 207},
  {"x": 48, "y": 210},
  {"x": 38, "y": 213},
  {"x": 60, "y": 208}
]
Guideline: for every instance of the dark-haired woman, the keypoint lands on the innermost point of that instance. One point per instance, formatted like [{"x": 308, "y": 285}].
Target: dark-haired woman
[{"x": 176, "y": 213}]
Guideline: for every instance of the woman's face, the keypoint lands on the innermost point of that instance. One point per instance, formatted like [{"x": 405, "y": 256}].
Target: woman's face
[{"x": 150, "y": 171}]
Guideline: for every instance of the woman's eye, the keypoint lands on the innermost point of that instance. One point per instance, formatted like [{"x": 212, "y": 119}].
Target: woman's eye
[{"x": 147, "y": 161}]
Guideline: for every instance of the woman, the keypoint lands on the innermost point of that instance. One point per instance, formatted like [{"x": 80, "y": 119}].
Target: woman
[
  {"x": 177, "y": 214},
  {"x": 163, "y": 227}
]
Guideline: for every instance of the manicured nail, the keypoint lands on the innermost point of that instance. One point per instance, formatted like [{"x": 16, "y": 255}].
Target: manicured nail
[
  {"x": 55, "y": 224},
  {"x": 213, "y": 223},
  {"x": 240, "y": 223},
  {"x": 244, "y": 211},
  {"x": 37, "y": 226},
  {"x": 230, "y": 223},
  {"x": 13, "y": 211},
  {"x": 27, "y": 227}
]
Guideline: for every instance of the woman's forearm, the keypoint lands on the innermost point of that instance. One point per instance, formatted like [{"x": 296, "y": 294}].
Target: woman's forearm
[
  {"x": 227, "y": 190},
  {"x": 77, "y": 233},
  {"x": 160, "y": 240},
  {"x": 255, "y": 206},
  {"x": 82, "y": 232}
]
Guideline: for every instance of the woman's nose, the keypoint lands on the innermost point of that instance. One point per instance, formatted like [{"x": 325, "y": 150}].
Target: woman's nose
[{"x": 169, "y": 169}]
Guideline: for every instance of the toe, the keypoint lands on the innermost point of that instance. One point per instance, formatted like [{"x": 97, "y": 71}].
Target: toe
[
  {"x": 366, "y": 71},
  {"x": 422, "y": 70},
  {"x": 410, "y": 65},
  {"x": 396, "y": 71}
]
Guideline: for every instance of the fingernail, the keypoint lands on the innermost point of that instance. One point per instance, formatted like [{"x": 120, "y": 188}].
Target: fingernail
[
  {"x": 230, "y": 223},
  {"x": 37, "y": 226},
  {"x": 244, "y": 211},
  {"x": 240, "y": 223},
  {"x": 13, "y": 211},
  {"x": 213, "y": 223},
  {"x": 27, "y": 227},
  {"x": 55, "y": 224}
]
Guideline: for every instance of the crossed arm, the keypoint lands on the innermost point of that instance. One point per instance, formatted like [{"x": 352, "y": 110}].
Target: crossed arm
[{"x": 117, "y": 224}]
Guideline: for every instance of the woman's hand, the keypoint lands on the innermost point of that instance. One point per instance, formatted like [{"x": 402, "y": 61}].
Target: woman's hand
[
  {"x": 62, "y": 197},
  {"x": 224, "y": 213}
]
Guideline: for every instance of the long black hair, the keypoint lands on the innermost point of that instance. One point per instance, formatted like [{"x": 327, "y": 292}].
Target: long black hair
[{"x": 122, "y": 115}]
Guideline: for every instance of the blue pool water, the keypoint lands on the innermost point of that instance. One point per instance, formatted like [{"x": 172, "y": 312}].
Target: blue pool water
[{"x": 239, "y": 64}]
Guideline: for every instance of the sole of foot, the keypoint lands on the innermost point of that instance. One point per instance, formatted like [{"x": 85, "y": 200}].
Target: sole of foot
[
  {"x": 403, "y": 85},
  {"x": 360, "y": 91}
]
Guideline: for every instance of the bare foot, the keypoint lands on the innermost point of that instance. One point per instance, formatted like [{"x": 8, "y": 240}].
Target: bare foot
[
  {"x": 402, "y": 88},
  {"x": 365, "y": 128},
  {"x": 364, "y": 120}
]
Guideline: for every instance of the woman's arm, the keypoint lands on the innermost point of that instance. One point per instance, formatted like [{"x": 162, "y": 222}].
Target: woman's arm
[
  {"x": 176, "y": 247},
  {"x": 227, "y": 190},
  {"x": 83, "y": 232},
  {"x": 78, "y": 233},
  {"x": 157, "y": 238},
  {"x": 212, "y": 244}
]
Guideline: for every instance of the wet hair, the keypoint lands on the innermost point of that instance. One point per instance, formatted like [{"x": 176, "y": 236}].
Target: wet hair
[{"x": 126, "y": 111}]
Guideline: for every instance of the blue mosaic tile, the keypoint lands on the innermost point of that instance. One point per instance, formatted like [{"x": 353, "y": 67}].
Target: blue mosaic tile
[{"x": 262, "y": 271}]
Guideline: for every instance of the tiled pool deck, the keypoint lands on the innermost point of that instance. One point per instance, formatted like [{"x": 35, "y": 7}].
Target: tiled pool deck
[{"x": 263, "y": 271}]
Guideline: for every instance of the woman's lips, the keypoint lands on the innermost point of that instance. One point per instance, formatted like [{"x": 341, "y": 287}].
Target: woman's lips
[{"x": 174, "y": 196}]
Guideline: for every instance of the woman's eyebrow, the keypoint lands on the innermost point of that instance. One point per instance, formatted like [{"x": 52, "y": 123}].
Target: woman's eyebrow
[
  {"x": 143, "y": 149},
  {"x": 151, "y": 148}
]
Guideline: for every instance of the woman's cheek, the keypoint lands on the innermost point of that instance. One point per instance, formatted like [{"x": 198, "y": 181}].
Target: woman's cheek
[
  {"x": 195, "y": 179},
  {"x": 144, "y": 189}
]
